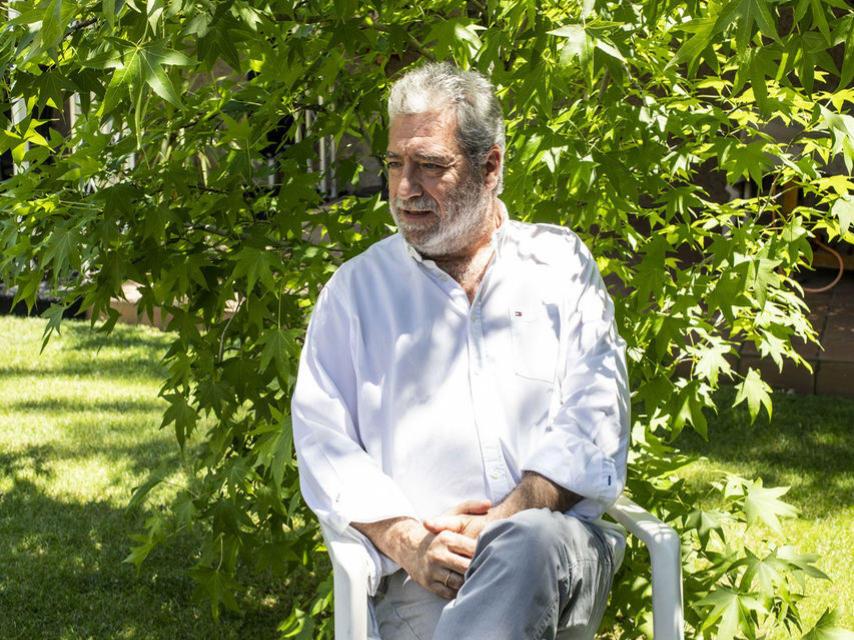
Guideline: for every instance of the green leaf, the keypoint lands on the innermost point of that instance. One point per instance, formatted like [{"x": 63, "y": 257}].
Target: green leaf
[
  {"x": 764, "y": 278},
  {"x": 713, "y": 361},
  {"x": 756, "y": 392},
  {"x": 767, "y": 572},
  {"x": 109, "y": 10},
  {"x": 750, "y": 11},
  {"x": 825, "y": 628},
  {"x": 757, "y": 83},
  {"x": 157, "y": 79},
  {"x": 847, "y": 71},
  {"x": 158, "y": 54},
  {"x": 732, "y": 609},
  {"x": 217, "y": 586},
  {"x": 51, "y": 87},
  {"x": 705, "y": 522},
  {"x": 804, "y": 562},
  {"x": 275, "y": 448},
  {"x": 280, "y": 348},
  {"x": 455, "y": 35},
  {"x": 744, "y": 160},
  {"x": 705, "y": 29},
  {"x": 297, "y": 625},
  {"x": 182, "y": 414},
  {"x": 141, "y": 551},
  {"x": 578, "y": 44},
  {"x": 608, "y": 48},
  {"x": 54, "y": 319},
  {"x": 122, "y": 79},
  {"x": 763, "y": 504},
  {"x": 767, "y": 22},
  {"x": 843, "y": 209},
  {"x": 819, "y": 19},
  {"x": 61, "y": 248},
  {"x": 52, "y": 28},
  {"x": 140, "y": 64},
  {"x": 140, "y": 493},
  {"x": 255, "y": 265}
]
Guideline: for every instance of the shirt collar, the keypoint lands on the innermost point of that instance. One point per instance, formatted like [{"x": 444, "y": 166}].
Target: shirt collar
[{"x": 497, "y": 235}]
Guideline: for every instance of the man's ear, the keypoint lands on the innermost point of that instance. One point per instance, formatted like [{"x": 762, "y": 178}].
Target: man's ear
[{"x": 492, "y": 168}]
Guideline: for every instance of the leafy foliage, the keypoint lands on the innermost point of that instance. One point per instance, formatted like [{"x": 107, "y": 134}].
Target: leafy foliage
[{"x": 190, "y": 169}]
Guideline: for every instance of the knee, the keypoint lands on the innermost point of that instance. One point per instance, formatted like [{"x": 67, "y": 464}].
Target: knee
[{"x": 528, "y": 537}]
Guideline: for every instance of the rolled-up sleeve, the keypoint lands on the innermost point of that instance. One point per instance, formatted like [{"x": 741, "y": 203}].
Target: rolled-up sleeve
[
  {"x": 340, "y": 482},
  {"x": 585, "y": 445}
]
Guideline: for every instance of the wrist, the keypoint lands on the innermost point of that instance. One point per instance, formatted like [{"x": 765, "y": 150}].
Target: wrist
[
  {"x": 404, "y": 541},
  {"x": 501, "y": 511}
]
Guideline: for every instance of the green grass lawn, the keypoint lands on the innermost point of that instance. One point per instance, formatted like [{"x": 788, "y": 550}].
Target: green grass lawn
[
  {"x": 78, "y": 430},
  {"x": 809, "y": 446}
]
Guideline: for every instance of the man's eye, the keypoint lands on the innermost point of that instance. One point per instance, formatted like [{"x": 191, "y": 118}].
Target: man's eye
[
  {"x": 431, "y": 165},
  {"x": 393, "y": 164}
]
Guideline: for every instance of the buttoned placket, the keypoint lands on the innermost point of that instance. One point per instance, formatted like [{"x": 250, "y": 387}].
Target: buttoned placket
[
  {"x": 484, "y": 400},
  {"x": 485, "y": 403}
]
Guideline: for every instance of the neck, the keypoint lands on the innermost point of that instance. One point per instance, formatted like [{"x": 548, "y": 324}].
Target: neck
[{"x": 468, "y": 265}]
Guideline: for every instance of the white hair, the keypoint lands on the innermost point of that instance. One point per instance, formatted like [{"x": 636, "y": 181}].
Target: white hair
[{"x": 480, "y": 123}]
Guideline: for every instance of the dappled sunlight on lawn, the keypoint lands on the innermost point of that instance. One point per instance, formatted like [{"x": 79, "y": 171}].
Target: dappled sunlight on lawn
[
  {"x": 807, "y": 446},
  {"x": 79, "y": 430}
]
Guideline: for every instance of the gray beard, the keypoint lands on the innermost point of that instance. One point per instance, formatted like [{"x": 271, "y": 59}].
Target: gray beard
[{"x": 466, "y": 212}]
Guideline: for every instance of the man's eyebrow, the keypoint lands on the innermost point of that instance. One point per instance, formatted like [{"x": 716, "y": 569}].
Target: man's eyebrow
[
  {"x": 423, "y": 157},
  {"x": 437, "y": 158}
]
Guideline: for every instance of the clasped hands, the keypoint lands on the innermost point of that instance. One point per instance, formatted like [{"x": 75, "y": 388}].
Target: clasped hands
[{"x": 446, "y": 546}]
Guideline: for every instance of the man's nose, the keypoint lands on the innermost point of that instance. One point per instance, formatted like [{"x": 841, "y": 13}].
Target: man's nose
[{"x": 408, "y": 186}]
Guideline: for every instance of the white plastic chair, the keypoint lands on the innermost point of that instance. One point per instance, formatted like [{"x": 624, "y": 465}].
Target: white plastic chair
[{"x": 350, "y": 563}]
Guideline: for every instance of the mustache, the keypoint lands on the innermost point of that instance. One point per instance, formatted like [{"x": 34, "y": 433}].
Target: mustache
[{"x": 421, "y": 203}]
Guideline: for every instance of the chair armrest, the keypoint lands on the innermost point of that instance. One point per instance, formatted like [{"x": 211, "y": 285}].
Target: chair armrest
[
  {"x": 350, "y": 563},
  {"x": 662, "y": 542}
]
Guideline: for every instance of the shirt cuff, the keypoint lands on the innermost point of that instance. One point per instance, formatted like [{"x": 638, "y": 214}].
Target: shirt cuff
[
  {"x": 379, "y": 565},
  {"x": 578, "y": 465}
]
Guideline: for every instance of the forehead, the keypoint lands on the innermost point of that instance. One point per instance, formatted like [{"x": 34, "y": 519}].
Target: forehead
[{"x": 428, "y": 132}]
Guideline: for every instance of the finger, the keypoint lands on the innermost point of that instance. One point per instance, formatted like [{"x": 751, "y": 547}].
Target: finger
[
  {"x": 445, "y": 523},
  {"x": 459, "y": 543},
  {"x": 454, "y": 562},
  {"x": 454, "y": 580},
  {"x": 442, "y": 591},
  {"x": 471, "y": 507}
]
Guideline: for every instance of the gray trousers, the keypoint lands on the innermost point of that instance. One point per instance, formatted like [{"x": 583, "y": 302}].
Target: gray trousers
[{"x": 538, "y": 575}]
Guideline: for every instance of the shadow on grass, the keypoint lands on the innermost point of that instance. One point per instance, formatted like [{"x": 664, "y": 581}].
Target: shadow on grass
[
  {"x": 122, "y": 336},
  {"x": 63, "y": 528},
  {"x": 139, "y": 460},
  {"x": 57, "y": 405},
  {"x": 101, "y": 368},
  {"x": 62, "y": 576},
  {"x": 128, "y": 351},
  {"x": 808, "y": 445}
]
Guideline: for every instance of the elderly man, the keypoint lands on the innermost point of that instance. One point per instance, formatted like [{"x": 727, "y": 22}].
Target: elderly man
[{"x": 461, "y": 406}]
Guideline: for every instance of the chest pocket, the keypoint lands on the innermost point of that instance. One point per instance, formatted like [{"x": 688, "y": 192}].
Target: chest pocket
[{"x": 534, "y": 332}]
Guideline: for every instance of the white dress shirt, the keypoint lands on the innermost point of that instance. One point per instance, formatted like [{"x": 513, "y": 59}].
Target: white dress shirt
[{"x": 409, "y": 400}]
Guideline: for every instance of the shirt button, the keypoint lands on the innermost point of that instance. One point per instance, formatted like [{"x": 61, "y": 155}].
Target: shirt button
[{"x": 495, "y": 474}]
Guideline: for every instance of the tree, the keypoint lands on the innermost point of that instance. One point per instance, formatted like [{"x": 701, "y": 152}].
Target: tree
[{"x": 186, "y": 170}]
